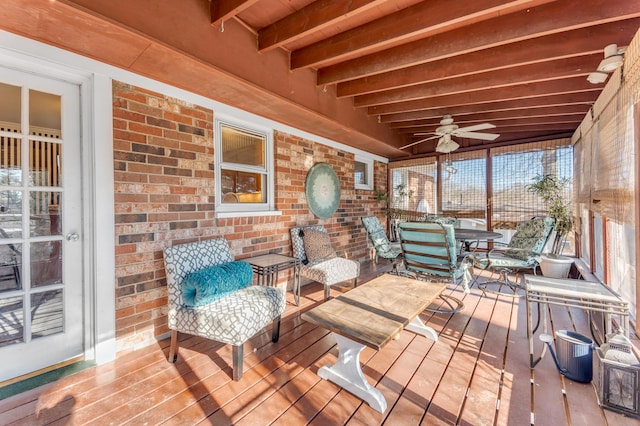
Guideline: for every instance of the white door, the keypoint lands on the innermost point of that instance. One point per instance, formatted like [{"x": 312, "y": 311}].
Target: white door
[{"x": 41, "y": 300}]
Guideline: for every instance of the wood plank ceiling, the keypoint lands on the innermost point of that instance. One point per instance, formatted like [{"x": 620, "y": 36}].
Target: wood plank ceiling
[
  {"x": 368, "y": 73},
  {"x": 519, "y": 65}
]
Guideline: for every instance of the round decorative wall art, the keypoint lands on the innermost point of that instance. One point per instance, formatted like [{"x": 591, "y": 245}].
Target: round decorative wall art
[{"x": 322, "y": 189}]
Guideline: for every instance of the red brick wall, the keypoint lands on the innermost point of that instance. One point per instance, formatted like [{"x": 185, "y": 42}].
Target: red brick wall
[{"x": 164, "y": 195}]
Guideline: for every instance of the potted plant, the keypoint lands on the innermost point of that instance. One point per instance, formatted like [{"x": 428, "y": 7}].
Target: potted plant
[
  {"x": 392, "y": 206},
  {"x": 553, "y": 191}
]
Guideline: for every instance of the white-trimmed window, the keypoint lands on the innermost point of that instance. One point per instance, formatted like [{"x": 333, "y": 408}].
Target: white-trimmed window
[
  {"x": 363, "y": 173},
  {"x": 244, "y": 172}
]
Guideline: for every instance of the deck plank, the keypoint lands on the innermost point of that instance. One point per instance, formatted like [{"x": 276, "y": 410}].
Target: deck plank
[
  {"x": 424, "y": 385},
  {"x": 548, "y": 390},
  {"x": 482, "y": 352},
  {"x": 288, "y": 397},
  {"x": 449, "y": 398},
  {"x": 269, "y": 384},
  {"x": 342, "y": 404},
  {"x": 197, "y": 400},
  {"x": 411, "y": 405},
  {"x": 393, "y": 379},
  {"x": 482, "y": 401},
  {"x": 515, "y": 398}
]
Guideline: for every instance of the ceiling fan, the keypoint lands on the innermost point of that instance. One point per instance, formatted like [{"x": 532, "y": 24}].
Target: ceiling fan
[{"x": 448, "y": 129}]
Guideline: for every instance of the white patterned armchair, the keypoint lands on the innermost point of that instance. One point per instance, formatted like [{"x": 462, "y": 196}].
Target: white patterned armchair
[
  {"x": 233, "y": 317},
  {"x": 319, "y": 261}
]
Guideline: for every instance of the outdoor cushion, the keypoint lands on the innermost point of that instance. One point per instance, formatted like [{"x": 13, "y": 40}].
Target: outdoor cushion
[
  {"x": 209, "y": 284},
  {"x": 325, "y": 271},
  {"x": 529, "y": 239},
  {"x": 234, "y": 318},
  {"x": 379, "y": 238},
  {"x": 443, "y": 220},
  {"x": 317, "y": 245},
  {"x": 331, "y": 271}
]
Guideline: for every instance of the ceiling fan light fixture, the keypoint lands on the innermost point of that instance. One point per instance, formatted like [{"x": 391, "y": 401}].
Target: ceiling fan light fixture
[
  {"x": 446, "y": 145},
  {"x": 597, "y": 77},
  {"x": 447, "y": 129}
]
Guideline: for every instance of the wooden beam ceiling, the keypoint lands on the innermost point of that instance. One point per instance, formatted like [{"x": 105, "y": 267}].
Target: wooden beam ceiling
[
  {"x": 573, "y": 43},
  {"x": 419, "y": 21},
  {"x": 391, "y": 68},
  {"x": 555, "y": 17},
  {"x": 314, "y": 17}
]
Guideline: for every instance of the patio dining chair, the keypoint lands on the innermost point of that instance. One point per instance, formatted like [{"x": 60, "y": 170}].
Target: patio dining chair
[
  {"x": 311, "y": 244},
  {"x": 444, "y": 220},
  {"x": 521, "y": 253},
  {"x": 381, "y": 243},
  {"x": 430, "y": 253}
]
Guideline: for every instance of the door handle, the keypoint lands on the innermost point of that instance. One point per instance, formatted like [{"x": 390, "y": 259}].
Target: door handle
[{"x": 72, "y": 236}]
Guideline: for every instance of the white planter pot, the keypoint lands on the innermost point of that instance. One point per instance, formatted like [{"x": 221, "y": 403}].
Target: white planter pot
[{"x": 555, "y": 266}]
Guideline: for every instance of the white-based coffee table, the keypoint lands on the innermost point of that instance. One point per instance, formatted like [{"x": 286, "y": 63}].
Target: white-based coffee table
[{"x": 371, "y": 315}]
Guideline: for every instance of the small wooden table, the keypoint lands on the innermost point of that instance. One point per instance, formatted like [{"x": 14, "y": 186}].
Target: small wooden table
[
  {"x": 267, "y": 266},
  {"x": 371, "y": 315}
]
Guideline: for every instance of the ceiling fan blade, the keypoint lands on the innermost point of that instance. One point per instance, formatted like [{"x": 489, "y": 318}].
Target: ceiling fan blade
[
  {"x": 420, "y": 141},
  {"x": 424, "y": 133},
  {"x": 483, "y": 126},
  {"x": 474, "y": 135}
]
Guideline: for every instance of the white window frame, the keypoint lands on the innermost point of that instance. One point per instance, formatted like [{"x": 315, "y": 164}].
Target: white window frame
[
  {"x": 243, "y": 209},
  {"x": 369, "y": 178}
]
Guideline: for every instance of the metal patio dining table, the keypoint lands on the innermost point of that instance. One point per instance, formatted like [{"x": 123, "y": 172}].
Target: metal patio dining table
[{"x": 468, "y": 236}]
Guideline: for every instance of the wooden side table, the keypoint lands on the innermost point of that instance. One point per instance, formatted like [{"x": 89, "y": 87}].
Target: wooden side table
[{"x": 267, "y": 266}]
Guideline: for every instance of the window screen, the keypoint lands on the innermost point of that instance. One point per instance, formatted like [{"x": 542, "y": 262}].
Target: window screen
[
  {"x": 612, "y": 179},
  {"x": 414, "y": 185},
  {"x": 515, "y": 167},
  {"x": 464, "y": 188}
]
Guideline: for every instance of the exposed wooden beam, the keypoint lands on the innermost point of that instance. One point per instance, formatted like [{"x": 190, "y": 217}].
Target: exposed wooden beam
[
  {"x": 573, "y": 119},
  {"x": 313, "y": 17},
  {"x": 521, "y": 91},
  {"x": 420, "y": 20},
  {"x": 584, "y": 99},
  {"x": 535, "y": 128},
  {"x": 583, "y": 41},
  {"x": 481, "y": 115},
  {"x": 540, "y": 128},
  {"x": 560, "y": 69},
  {"x": 506, "y": 139},
  {"x": 222, "y": 10},
  {"x": 535, "y": 22},
  {"x": 416, "y": 126}
]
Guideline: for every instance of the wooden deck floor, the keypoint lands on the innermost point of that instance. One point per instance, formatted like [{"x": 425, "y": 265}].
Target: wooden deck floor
[{"x": 477, "y": 373}]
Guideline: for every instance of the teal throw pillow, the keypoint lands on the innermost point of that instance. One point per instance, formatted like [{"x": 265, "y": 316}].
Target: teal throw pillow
[{"x": 210, "y": 284}]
